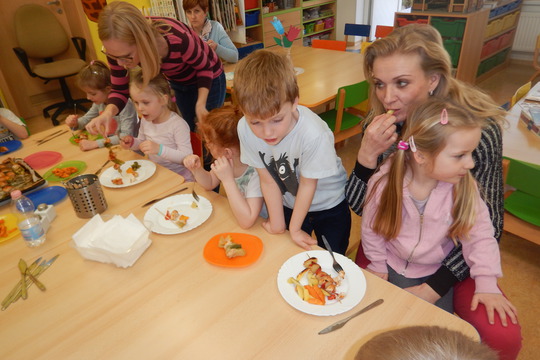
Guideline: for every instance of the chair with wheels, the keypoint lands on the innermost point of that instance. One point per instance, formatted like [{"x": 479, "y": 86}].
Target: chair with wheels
[
  {"x": 41, "y": 36},
  {"x": 357, "y": 30},
  {"x": 346, "y": 121},
  {"x": 329, "y": 44}
]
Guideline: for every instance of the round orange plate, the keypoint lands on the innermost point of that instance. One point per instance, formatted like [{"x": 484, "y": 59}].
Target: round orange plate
[{"x": 216, "y": 255}]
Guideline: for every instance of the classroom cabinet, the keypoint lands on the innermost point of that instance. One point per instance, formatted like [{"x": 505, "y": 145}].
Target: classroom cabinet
[
  {"x": 478, "y": 42},
  {"x": 315, "y": 18}
]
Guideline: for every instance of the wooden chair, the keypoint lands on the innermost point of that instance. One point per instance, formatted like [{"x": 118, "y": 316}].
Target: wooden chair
[
  {"x": 382, "y": 31},
  {"x": 536, "y": 63},
  {"x": 522, "y": 205},
  {"x": 344, "y": 120},
  {"x": 329, "y": 44},
  {"x": 357, "y": 30},
  {"x": 521, "y": 92}
]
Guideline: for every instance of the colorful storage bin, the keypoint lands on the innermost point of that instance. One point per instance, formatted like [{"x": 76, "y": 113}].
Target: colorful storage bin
[
  {"x": 251, "y": 4},
  {"x": 309, "y": 28},
  {"x": 404, "y": 21},
  {"x": 454, "y": 48},
  {"x": 449, "y": 27},
  {"x": 328, "y": 23},
  {"x": 252, "y": 18},
  {"x": 319, "y": 25}
]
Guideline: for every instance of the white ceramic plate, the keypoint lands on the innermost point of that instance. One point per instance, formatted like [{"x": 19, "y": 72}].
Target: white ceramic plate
[
  {"x": 147, "y": 169},
  {"x": 353, "y": 286},
  {"x": 155, "y": 221}
]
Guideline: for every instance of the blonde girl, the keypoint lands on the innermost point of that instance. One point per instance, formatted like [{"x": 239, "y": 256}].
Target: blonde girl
[
  {"x": 95, "y": 80},
  {"x": 241, "y": 182},
  {"x": 163, "y": 134},
  {"x": 424, "y": 201}
]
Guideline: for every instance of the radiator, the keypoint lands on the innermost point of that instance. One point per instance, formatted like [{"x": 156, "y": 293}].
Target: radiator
[{"x": 527, "y": 30}]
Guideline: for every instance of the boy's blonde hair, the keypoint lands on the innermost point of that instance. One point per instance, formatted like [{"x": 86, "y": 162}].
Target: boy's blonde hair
[
  {"x": 424, "y": 125},
  {"x": 122, "y": 21},
  {"x": 95, "y": 76},
  {"x": 158, "y": 85},
  {"x": 424, "y": 343},
  {"x": 219, "y": 127},
  {"x": 426, "y": 42},
  {"x": 263, "y": 82}
]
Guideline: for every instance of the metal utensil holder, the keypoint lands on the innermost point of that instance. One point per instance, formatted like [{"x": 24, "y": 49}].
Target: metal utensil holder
[{"x": 86, "y": 195}]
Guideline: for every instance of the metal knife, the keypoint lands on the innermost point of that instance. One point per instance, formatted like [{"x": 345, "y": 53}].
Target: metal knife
[
  {"x": 341, "y": 323},
  {"x": 163, "y": 197}
]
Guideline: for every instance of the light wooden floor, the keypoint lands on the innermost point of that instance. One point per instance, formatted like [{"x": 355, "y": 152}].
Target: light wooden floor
[{"x": 521, "y": 267}]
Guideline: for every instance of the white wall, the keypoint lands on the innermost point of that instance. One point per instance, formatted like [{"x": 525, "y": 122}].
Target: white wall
[{"x": 349, "y": 11}]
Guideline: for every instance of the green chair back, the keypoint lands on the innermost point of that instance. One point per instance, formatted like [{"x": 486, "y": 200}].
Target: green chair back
[{"x": 524, "y": 203}]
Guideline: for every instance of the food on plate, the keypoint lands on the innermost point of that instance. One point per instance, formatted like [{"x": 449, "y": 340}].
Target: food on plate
[
  {"x": 194, "y": 205},
  {"x": 3, "y": 149},
  {"x": 4, "y": 231},
  {"x": 320, "y": 286},
  {"x": 112, "y": 154},
  {"x": 176, "y": 218},
  {"x": 65, "y": 172},
  {"x": 16, "y": 174},
  {"x": 232, "y": 249},
  {"x": 130, "y": 175}
]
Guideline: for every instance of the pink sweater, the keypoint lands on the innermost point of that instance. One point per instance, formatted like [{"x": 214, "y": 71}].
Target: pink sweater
[{"x": 423, "y": 243}]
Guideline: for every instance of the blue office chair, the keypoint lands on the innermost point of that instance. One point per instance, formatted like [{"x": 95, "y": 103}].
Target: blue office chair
[{"x": 357, "y": 30}]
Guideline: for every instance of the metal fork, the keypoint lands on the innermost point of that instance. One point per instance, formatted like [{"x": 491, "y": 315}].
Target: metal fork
[
  {"x": 195, "y": 196},
  {"x": 335, "y": 265}
]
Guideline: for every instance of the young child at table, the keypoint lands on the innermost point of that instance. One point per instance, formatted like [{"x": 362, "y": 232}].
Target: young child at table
[
  {"x": 424, "y": 200},
  {"x": 302, "y": 178},
  {"x": 422, "y": 343},
  {"x": 163, "y": 135},
  {"x": 11, "y": 127},
  {"x": 95, "y": 81},
  {"x": 241, "y": 182}
]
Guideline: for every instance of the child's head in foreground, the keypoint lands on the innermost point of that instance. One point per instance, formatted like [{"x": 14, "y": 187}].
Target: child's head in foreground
[
  {"x": 218, "y": 130},
  {"x": 267, "y": 93},
  {"x": 151, "y": 99},
  {"x": 424, "y": 343}
]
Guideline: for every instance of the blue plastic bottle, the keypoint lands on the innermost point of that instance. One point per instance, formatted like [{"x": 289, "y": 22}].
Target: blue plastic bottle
[{"x": 27, "y": 221}]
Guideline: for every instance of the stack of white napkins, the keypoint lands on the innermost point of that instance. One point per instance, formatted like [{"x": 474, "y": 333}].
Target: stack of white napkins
[{"x": 118, "y": 241}]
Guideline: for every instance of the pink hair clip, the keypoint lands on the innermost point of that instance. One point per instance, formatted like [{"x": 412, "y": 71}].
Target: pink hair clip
[
  {"x": 444, "y": 117},
  {"x": 92, "y": 62},
  {"x": 402, "y": 145}
]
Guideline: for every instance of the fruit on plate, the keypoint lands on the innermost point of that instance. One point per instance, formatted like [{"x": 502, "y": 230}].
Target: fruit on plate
[
  {"x": 320, "y": 286},
  {"x": 231, "y": 248}
]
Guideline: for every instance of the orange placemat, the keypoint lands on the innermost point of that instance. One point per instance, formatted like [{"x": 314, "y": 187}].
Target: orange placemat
[{"x": 216, "y": 255}]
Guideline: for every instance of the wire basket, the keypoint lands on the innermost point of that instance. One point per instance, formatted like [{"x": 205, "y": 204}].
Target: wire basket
[{"x": 86, "y": 195}]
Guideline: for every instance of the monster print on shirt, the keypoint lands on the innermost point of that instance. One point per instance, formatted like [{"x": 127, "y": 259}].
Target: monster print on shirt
[{"x": 282, "y": 172}]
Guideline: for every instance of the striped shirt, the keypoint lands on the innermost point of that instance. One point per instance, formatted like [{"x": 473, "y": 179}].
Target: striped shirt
[{"x": 190, "y": 61}]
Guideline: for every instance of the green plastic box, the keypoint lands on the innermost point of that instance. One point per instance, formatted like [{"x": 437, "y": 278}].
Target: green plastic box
[{"x": 449, "y": 27}]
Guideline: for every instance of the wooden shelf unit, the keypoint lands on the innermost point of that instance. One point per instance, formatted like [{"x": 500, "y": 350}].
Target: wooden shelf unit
[
  {"x": 471, "y": 40},
  {"x": 486, "y": 40}
]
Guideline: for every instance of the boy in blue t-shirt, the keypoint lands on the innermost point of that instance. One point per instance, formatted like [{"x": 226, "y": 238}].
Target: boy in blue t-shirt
[{"x": 302, "y": 178}]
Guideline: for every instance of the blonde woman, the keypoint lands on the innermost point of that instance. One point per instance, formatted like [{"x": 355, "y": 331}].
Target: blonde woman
[
  {"x": 158, "y": 45},
  {"x": 405, "y": 69}
]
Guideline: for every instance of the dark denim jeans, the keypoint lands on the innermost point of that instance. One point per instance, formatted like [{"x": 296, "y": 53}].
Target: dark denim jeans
[
  {"x": 186, "y": 98},
  {"x": 334, "y": 224}
]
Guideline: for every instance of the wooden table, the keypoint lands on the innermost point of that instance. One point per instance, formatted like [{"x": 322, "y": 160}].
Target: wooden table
[
  {"x": 172, "y": 304},
  {"x": 325, "y": 71},
  {"x": 518, "y": 142}
]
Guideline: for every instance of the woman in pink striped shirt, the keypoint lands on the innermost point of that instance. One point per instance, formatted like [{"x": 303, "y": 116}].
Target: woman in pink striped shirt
[{"x": 158, "y": 45}]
